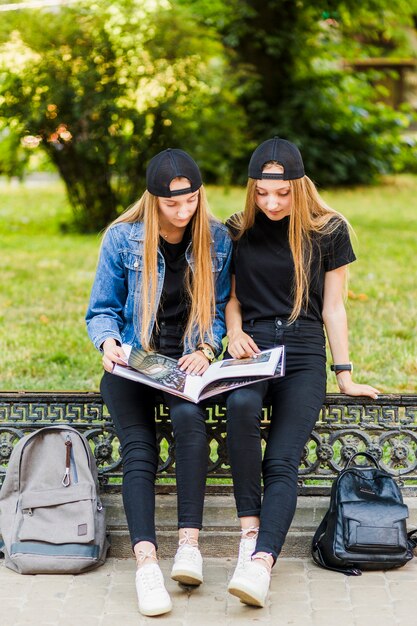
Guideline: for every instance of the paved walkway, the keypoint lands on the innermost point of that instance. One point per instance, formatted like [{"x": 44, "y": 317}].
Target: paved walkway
[{"x": 301, "y": 595}]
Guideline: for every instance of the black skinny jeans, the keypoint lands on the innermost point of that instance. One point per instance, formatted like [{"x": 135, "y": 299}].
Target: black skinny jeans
[
  {"x": 131, "y": 406},
  {"x": 296, "y": 402}
]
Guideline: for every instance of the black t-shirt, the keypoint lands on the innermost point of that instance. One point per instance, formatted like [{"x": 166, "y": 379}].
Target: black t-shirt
[
  {"x": 174, "y": 304},
  {"x": 264, "y": 268}
]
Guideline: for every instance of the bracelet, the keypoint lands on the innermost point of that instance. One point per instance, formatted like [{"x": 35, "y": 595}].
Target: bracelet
[{"x": 344, "y": 367}]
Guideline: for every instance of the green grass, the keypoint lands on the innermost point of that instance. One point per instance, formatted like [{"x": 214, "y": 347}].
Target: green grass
[
  {"x": 47, "y": 276},
  {"x": 382, "y": 306}
]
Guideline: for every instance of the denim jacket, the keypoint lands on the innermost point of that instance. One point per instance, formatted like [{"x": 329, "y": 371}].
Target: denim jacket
[{"x": 114, "y": 309}]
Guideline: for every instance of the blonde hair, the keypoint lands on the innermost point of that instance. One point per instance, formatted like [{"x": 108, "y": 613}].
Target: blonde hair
[
  {"x": 309, "y": 215},
  {"x": 199, "y": 283}
]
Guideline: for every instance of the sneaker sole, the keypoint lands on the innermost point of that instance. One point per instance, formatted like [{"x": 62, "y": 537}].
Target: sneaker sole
[
  {"x": 186, "y": 577},
  {"x": 246, "y": 595},
  {"x": 159, "y": 611}
]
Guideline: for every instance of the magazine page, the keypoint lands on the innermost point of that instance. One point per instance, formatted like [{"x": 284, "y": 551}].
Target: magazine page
[
  {"x": 156, "y": 370},
  {"x": 220, "y": 386},
  {"x": 161, "y": 369},
  {"x": 263, "y": 364},
  {"x": 231, "y": 373}
]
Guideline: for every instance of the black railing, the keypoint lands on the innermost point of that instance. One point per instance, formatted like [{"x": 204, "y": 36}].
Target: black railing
[{"x": 387, "y": 428}]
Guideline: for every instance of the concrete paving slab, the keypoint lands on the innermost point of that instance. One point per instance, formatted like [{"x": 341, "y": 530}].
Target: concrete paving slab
[{"x": 300, "y": 596}]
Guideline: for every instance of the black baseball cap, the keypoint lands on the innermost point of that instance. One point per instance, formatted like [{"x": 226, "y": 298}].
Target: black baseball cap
[
  {"x": 167, "y": 165},
  {"x": 282, "y": 151}
]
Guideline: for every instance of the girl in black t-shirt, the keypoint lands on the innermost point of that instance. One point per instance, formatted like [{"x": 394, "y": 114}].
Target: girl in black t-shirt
[{"x": 291, "y": 253}]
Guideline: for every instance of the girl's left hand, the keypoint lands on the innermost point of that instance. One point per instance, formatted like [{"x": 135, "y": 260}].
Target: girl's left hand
[
  {"x": 355, "y": 389},
  {"x": 195, "y": 363}
]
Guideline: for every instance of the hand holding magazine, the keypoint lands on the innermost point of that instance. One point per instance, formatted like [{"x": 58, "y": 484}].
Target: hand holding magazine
[{"x": 162, "y": 372}]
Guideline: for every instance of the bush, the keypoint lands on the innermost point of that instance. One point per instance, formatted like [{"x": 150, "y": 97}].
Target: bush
[{"x": 345, "y": 136}]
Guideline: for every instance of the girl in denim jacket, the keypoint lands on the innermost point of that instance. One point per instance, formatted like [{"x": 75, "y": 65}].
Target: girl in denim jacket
[{"x": 162, "y": 283}]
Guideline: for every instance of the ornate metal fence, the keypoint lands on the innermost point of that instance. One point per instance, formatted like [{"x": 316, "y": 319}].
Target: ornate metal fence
[{"x": 387, "y": 428}]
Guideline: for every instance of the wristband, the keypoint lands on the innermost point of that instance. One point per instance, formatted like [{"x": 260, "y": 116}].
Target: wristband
[{"x": 344, "y": 367}]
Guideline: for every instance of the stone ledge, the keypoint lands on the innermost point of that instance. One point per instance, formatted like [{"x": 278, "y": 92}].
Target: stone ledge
[{"x": 220, "y": 536}]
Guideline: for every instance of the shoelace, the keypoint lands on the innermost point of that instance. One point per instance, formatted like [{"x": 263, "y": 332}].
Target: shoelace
[
  {"x": 263, "y": 557},
  {"x": 187, "y": 539},
  {"x": 246, "y": 547},
  {"x": 142, "y": 555},
  {"x": 245, "y": 532},
  {"x": 187, "y": 544}
]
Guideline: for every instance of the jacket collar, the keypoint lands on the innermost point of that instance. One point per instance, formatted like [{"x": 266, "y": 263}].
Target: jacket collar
[{"x": 137, "y": 232}]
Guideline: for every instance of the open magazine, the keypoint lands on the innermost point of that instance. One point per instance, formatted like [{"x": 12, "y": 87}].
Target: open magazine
[{"x": 163, "y": 373}]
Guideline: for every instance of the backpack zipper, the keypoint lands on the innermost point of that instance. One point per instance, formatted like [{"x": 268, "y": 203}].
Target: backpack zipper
[{"x": 66, "y": 481}]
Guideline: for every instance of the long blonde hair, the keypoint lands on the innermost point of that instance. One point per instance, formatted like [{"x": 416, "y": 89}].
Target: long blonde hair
[
  {"x": 309, "y": 215},
  {"x": 199, "y": 284}
]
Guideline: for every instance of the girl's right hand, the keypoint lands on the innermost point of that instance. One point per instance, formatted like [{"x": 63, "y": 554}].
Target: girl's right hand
[
  {"x": 241, "y": 345},
  {"x": 112, "y": 353}
]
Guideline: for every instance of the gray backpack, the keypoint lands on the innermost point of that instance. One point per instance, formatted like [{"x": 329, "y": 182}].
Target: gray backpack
[{"x": 51, "y": 518}]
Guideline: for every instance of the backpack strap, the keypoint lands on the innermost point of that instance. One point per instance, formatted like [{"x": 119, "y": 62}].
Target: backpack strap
[
  {"x": 412, "y": 540},
  {"x": 367, "y": 455}
]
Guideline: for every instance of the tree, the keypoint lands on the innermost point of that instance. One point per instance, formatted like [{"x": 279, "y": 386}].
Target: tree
[
  {"x": 101, "y": 89},
  {"x": 295, "y": 85}
]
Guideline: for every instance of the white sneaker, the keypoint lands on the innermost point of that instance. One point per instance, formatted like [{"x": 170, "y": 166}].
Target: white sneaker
[
  {"x": 246, "y": 547},
  {"x": 188, "y": 562},
  {"x": 153, "y": 598},
  {"x": 251, "y": 584}
]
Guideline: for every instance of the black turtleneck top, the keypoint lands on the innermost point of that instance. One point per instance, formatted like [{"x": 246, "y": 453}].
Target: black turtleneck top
[{"x": 264, "y": 268}]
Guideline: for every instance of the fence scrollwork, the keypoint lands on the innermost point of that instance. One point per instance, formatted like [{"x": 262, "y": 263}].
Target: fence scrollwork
[{"x": 386, "y": 428}]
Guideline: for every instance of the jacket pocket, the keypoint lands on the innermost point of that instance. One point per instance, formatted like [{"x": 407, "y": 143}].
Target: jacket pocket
[
  {"x": 131, "y": 261},
  {"x": 217, "y": 264},
  {"x": 133, "y": 272}
]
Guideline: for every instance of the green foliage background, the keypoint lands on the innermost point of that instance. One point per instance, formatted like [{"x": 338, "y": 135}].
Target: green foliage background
[{"x": 101, "y": 87}]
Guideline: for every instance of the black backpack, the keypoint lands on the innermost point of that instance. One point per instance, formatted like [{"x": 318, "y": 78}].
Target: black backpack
[{"x": 365, "y": 525}]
